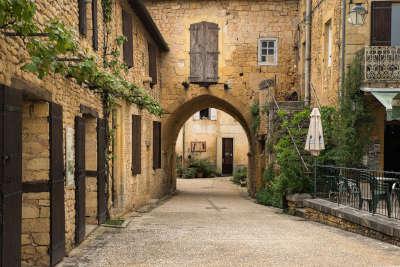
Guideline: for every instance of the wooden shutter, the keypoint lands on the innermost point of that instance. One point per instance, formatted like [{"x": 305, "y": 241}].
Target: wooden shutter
[
  {"x": 95, "y": 38},
  {"x": 127, "y": 28},
  {"x": 80, "y": 183},
  {"x": 213, "y": 114},
  {"x": 211, "y": 53},
  {"x": 381, "y": 23},
  {"x": 196, "y": 116},
  {"x": 82, "y": 17},
  {"x": 10, "y": 176},
  {"x": 101, "y": 171},
  {"x": 204, "y": 52},
  {"x": 57, "y": 210},
  {"x": 156, "y": 145},
  {"x": 152, "y": 63},
  {"x": 136, "y": 144}
]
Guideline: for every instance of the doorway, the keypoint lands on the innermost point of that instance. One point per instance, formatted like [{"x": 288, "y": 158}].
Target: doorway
[
  {"x": 227, "y": 156},
  {"x": 392, "y": 146}
]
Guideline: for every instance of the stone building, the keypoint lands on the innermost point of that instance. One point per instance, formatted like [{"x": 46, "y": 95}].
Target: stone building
[
  {"x": 53, "y": 137},
  {"x": 370, "y": 32},
  {"x": 215, "y": 136},
  {"x": 220, "y": 52}
]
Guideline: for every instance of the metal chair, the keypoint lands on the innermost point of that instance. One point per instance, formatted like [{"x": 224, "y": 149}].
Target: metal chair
[{"x": 372, "y": 192}]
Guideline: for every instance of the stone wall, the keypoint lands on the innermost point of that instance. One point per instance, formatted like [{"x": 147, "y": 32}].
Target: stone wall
[
  {"x": 35, "y": 238},
  {"x": 212, "y": 132}
]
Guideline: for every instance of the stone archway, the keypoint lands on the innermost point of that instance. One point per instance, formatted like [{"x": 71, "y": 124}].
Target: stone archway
[{"x": 181, "y": 110}]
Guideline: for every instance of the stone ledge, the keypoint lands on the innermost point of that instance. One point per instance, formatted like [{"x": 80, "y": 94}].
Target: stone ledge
[{"x": 387, "y": 226}]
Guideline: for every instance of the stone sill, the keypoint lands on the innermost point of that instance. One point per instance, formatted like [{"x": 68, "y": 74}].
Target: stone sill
[{"x": 378, "y": 223}]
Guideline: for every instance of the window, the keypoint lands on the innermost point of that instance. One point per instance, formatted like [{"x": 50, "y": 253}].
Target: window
[
  {"x": 82, "y": 17},
  {"x": 206, "y": 114},
  {"x": 268, "y": 51},
  {"x": 95, "y": 37},
  {"x": 152, "y": 50},
  {"x": 204, "y": 53},
  {"x": 136, "y": 144},
  {"x": 127, "y": 28},
  {"x": 385, "y": 18},
  {"x": 156, "y": 145},
  {"x": 328, "y": 42}
]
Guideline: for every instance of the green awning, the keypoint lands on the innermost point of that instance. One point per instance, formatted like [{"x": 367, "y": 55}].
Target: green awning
[{"x": 389, "y": 98}]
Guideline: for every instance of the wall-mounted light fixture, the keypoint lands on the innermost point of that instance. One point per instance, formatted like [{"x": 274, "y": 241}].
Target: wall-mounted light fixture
[{"x": 357, "y": 14}]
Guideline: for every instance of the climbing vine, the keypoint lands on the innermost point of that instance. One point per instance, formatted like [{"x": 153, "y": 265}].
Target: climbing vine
[{"x": 54, "y": 50}]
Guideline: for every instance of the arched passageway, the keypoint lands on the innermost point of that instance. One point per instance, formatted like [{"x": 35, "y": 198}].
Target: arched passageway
[{"x": 181, "y": 111}]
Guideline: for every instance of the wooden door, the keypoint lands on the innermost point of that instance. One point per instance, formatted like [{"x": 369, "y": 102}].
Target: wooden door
[
  {"x": 101, "y": 172},
  {"x": 392, "y": 146},
  {"x": 381, "y": 21},
  {"x": 57, "y": 209},
  {"x": 80, "y": 176},
  {"x": 227, "y": 156},
  {"x": 10, "y": 176}
]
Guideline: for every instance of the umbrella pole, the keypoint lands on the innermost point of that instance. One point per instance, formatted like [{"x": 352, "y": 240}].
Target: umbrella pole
[{"x": 315, "y": 177}]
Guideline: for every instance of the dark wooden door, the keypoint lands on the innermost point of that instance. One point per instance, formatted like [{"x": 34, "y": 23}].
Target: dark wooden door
[
  {"x": 381, "y": 21},
  {"x": 227, "y": 156},
  {"x": 101, "y": 171},
  {"x": 10, "y": 176},
  {"x": 392, "y": 146},
  {"x": 80, "y": 184},
  {"x": 57, "y": 210}
]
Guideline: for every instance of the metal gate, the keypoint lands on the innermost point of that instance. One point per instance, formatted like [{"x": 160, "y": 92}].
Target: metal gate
[
  {"x": 101, "y": 172},
  {"x": 57, "y": 211},
  {"x": 80, "y": 176},
  {"x": 10, "y": 176}
]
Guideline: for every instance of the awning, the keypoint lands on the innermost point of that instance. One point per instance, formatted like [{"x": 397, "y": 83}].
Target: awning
[{"x": 389, "y": 98}]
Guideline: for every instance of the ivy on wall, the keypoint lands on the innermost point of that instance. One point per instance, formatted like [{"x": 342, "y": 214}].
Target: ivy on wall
[{"x": 54, "y": 50}]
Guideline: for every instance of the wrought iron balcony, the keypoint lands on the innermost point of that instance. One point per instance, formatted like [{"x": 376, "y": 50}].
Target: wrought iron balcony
[{"x": 382, "y": 64}]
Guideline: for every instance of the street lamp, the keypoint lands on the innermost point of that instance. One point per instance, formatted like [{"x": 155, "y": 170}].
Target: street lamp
[{"x": 357, "y": 14}]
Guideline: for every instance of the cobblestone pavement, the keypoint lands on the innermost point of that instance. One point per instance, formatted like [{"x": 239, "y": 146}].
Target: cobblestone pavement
[{"x": 211, "y": 222}]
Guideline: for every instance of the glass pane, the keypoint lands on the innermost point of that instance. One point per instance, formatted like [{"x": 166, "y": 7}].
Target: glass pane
[
  {"x": 263, "y": 58},
  {"x": 263, "y": 51},
  {"x": 271, "y": 44},
  {"x": 271, "y": 51},
  {"x": 271, "y": 59},
  {"x": 264, "y": 44}
]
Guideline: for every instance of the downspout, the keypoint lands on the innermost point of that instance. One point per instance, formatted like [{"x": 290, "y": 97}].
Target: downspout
[
  {"x": 342, "y": 53},
  {"x": 183, "y": 145},
  {"x": 307, "y": 66}
]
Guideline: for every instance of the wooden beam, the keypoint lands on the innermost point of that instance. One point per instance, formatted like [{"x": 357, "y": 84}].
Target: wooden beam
[
  {"x": 35, "y": 187},
  {"x": 85, "y": 110}
]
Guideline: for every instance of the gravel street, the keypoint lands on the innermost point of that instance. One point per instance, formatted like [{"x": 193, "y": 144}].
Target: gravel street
[{"x": 211, "y": 222}]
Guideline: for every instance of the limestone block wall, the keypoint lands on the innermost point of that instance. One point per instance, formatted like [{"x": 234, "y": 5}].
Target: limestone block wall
[
  {"x": 129, "y": 191},
  {"x": 35, "y": 237},
  {"x": 52, "y": 88},
  {"x": 241, "y": 24}
]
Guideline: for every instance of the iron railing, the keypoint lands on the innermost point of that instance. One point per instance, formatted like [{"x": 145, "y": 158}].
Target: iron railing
[
  {"x": 377, "y": 192},
  {"x": 382, "y": 64}
]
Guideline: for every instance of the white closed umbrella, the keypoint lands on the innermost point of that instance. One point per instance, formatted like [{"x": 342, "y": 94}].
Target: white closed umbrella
[
  {"x": 315, "y": 140},
  {"x": 315, "y": 137}
]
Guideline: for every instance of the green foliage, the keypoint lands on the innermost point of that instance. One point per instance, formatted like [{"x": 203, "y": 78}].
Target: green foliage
[
  {"x": 55, "y": 51},
  {"x": 17, "y": 16},
  {"x": 107, "y": 10},
  {"x": 240, "y": 175},
  {"x": 189, "y": 173},
  {"x": 203, "y": 167},
  {"x": 255, "y": 114},
  {"x": 354, "y": 130},
  {"x": 269, "y": 197}
]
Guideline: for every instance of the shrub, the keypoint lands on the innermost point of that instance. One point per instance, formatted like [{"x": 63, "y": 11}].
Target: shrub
[
  {"x": 189, "y": 173},
  {"x": 203, "y": 168},
  {"x": 240, "y": 175}
]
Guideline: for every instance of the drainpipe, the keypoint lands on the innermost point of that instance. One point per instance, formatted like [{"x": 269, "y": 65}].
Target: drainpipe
[
  {"x": 307, "y": 66},
  {"x": 183, "y": 144},
  {"x": 343, "y": 52}
]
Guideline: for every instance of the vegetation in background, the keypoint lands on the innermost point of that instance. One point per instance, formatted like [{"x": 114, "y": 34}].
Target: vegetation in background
[
  {"x": 198, "y": 168},
  {"x": 240, "y": 175},
  {"x": 346, "y": 135},
  {"x": 256, "y": 119}
]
